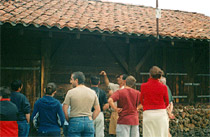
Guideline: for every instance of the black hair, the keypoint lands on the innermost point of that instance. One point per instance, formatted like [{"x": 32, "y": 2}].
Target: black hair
[
  {"x": 94, "y": 80},
  {"x": 16, "y": 84},
  {"x": 80, "y": 76},
  {"x": 51, "y": 87},
  {"x": 5, "y": 92},
  {"x": 124, "y": 76}
]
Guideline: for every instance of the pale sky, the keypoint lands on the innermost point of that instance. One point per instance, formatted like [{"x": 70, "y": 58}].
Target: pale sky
[{"x": 199, "y": 6}]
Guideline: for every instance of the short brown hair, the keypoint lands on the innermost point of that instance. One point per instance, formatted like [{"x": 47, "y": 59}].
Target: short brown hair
[
  {"x": 130, "y": 81},
  {"x": 156, "y": 72}
]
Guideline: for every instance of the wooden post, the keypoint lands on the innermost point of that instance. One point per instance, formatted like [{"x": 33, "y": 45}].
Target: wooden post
[
  {"x": 164, "y": 48},
  {"x": 34, "y": 97},
  {"x": 45, "y": 63},
  {"x": 42, "y": 77},
  {"x": 191, "y": 67},
  {"x": 0, "y": 52}
]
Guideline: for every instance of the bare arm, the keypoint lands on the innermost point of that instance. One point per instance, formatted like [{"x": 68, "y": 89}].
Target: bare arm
[
  {"x": 105, "y": 77},
  {"x": 65, "y": 110},
  {"x": 28, "y": 117},
  {"x": 96, "y": 111},
  {"x": 139, "y": 107},
  {"x": 106, "y": 106},
  {"x": 111, "y": 103},
  {"x": 170, "y": 108},
  {"x": 110, "y": 92}
]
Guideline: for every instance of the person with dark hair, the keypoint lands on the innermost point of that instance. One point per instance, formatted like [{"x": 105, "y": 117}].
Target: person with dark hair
[
  {"x": 23, "y": 106},
  {"x": 128, "y": 100},
  {"x": 48, "y": 115},
  {"x": 154, "y": 98},
  {"x": 8, "y": 114},
  {"x": 101, "y": 94},
  {"x": 81, "y": 99},
  {"x": 114, "y": 87}
]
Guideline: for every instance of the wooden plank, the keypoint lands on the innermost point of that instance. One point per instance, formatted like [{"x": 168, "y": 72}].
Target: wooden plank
[{"x": 86, "y": 69}]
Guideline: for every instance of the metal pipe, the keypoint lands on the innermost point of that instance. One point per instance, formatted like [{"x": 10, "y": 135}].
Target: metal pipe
[{"x": 157, "y": 20}]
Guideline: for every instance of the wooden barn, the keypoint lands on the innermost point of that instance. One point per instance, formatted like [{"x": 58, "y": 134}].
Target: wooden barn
[{"x": 46, "y": 40}]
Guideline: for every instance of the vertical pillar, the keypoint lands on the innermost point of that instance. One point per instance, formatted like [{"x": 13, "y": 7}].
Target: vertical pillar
[
  {"x": 164, "y": 58},
  {"x": 45, "y": 63},
  {"x": 0, "y": 53},
  {"x": 191, "y": 66}
]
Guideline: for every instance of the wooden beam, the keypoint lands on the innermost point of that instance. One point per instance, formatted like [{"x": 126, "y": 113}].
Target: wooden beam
[
  {"x": 142, "y": 61},
  {"x": 132, "y": 59},
  {"x": 63, "y": 44},
  {"x": 54, "y": 29},
  {"x": 118, "y": 57}
]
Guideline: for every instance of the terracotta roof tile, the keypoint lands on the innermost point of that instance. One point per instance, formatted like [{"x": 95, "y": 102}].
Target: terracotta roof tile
[{"x": 105, "y": 16}]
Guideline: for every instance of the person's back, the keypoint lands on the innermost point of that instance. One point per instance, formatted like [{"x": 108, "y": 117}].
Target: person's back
[
  {"x": 99, "y": 121},
  {"x": 23, "y": 106},
  {"x": 48, "y": 109},
  {"x": 154, "y": 93},
  {"x": 8, "y": 115},
  {"x": 82, "y": 101},
  {"x": 48, "y": 116},
  {"x": 113, "y": 88},
  {"x": 154, "y": 98},
  {"x": 101, "y": 94},
  {"x": 8, "y": 111},
  {"x": 128, "y": 100}
]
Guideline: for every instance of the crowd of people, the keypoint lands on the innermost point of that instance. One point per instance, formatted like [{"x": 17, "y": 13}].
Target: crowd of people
[{"x": 81, "y": 113}]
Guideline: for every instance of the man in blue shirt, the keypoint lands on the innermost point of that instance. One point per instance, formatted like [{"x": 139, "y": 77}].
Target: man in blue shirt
[
  {"x": 23, "y": 106},
  {"x": 99, "y": 121}
]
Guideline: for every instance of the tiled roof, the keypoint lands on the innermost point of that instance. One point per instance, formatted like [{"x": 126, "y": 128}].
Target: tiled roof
[{"x": 104, "y": 16}]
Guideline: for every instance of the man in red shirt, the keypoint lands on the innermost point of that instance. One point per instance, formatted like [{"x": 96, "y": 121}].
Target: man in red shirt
[{"x": 128, "y": 99}]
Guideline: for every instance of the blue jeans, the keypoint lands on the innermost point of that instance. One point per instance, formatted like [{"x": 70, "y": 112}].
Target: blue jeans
[
  {"x": 65, "y": 130},
  {"x": 81, "y": 126},
  {"x": 49, "y": 134},
  {"x": 23, "y": 128}
]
